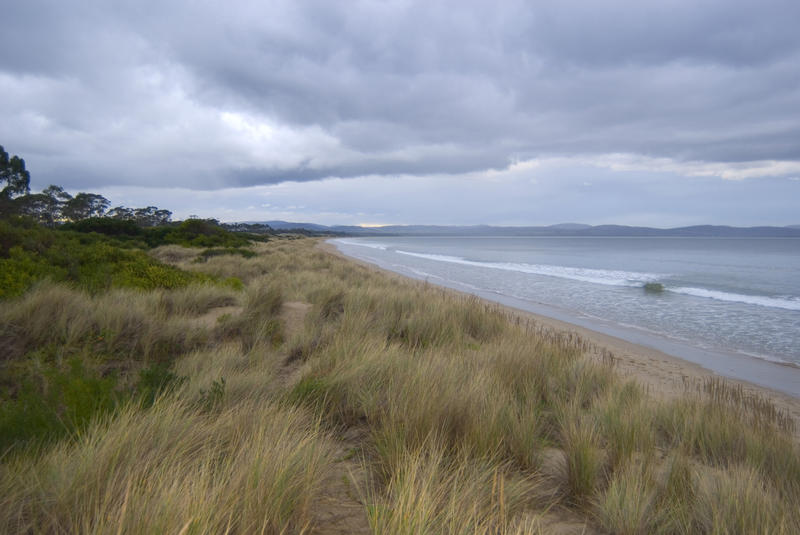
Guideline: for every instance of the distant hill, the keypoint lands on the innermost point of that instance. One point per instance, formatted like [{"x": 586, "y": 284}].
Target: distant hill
[
  {"x": 286, "y": 225},
  {"x": 563, "y": 229},
  {"x": 569, "y": 226}
]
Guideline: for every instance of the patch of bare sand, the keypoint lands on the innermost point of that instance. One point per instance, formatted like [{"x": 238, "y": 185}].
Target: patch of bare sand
[
  {"x": 339, "y": 509},
  {"x": 663, "y": 376},
  {"x": 293, "y": 316}
]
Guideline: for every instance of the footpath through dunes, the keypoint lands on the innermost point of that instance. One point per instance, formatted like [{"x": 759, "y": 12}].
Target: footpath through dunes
[
  {"x": 338, "y": 509},
  {"x": 327, "y": 397}
]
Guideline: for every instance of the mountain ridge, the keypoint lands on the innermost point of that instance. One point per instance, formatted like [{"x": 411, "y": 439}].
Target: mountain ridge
[{"x": 561, "y": 229}]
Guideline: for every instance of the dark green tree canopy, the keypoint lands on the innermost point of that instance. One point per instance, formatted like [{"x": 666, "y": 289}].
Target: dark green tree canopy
[
  {"x": 54, "y": 205},
  {"x": 14, "y": 178},
  {"x": 84, "y": 206},
  {"x": 57, "y": 193}
]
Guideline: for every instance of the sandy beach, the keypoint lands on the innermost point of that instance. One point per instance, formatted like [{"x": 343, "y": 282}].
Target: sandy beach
[{"x": 662, "y": 375}]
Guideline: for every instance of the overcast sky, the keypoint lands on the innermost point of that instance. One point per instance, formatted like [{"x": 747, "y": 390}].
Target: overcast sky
[{"x": 512, "y": 112}]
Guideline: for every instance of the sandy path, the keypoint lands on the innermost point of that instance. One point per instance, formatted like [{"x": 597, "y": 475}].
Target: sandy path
[
  {"x": 338, "y": 510},
  {"x": 664, "y": 376}
]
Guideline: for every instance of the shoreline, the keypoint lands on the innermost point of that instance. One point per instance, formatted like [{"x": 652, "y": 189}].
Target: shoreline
[{"x": 663, "y": 375}]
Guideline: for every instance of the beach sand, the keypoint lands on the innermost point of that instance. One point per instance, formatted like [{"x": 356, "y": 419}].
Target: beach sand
[{"x": 663, "y": 376}]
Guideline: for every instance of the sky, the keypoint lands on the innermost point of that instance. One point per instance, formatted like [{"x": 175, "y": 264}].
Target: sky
[{"x": 664, "y": 114}]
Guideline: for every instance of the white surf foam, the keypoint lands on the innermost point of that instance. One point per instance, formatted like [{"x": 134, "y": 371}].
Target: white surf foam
[
  {"x": 759, "y": 300},
  {"x": 371, "y": 245},
  {"x": 615, "y": 278},
  {"x": 597, "y": 276}
]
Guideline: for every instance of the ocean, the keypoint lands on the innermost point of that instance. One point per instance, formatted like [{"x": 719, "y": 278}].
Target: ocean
[{"x": 729, "y": 304}]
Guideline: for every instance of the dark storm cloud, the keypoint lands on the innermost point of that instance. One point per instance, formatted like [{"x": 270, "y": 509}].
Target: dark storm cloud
[
  {"x": 667, "y": 80},
  {"x": 137, "y": 92}
]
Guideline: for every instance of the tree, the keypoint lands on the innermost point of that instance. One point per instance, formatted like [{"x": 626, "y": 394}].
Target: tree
[
  {"x": 85, "y": 205},
  {"x": 14, "y": 180},
  {"x": 57, "y": 199},
  {"x": 120, "y": 212},
  {"x": 57, "y": 193},
  {"x": 151, "y": 216},
  {"x": 39, "y": 206},
  {"x": 13, "y": 174},
  {"x": 36, "y": 206}
]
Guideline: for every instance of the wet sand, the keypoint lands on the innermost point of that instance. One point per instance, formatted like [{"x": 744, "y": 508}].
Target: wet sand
[{"x": 663, "y": 375}]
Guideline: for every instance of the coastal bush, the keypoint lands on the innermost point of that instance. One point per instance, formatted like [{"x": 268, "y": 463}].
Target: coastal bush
[
  {"x": 154, "y": 381},
  {"x": 198, "y": 233},
  {"x": 98, "y": 254},
  {"x": 55, "y": 402},
  {"x": 91, "y": 262},
  {"x": 120, "y": 228}
]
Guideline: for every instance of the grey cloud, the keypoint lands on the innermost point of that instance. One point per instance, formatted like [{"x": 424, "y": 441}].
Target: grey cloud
[
  {"x": 570, "y": 78},
  {"x": 476, "y": 83},
  {"x": 440, "y": 163}
]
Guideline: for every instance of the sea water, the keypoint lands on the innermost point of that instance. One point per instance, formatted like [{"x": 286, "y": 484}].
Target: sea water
[{"x": 721, "y": 302}]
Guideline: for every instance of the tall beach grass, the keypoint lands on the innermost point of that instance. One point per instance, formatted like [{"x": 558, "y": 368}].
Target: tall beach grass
[{"x": 467, "y": 419}]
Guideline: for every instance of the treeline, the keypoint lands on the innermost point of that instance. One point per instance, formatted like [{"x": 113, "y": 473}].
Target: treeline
[
  {"x": 79, "y": 242},
  {"x": 54, "y": 205}
]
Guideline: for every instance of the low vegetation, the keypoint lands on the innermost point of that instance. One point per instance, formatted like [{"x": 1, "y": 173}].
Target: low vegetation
[{"x": 203, "y": 407}]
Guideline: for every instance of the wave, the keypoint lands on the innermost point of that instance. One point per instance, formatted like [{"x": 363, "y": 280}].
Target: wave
[
  {"x": 789, "y": 303},
  {"x": 423, "y": 273},
  {"x": 597, "y": 276},
  {"x": 380, "y": 246},
  {"x": 615, "y": 278}
]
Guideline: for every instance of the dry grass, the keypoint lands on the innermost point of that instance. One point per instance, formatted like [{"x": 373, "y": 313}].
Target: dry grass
[
  {"x": 435, "y": 491},
  {"x": 253, "y": 468},
  {"x": 456, "y": 404},
  {"x": 121, "y": 324}
]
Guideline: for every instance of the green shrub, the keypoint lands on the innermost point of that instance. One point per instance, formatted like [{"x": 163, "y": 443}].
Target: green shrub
[
  {"x": 197, "y": 233},
  {"x": 88, "y": 261},
  {"x": 20, "y": 270},
  {"x": 55, "y": 403},
  {"x": 140, "y": 271},
  {"x": 106, "y": 226},
  {"x": 154, "y": 381}
]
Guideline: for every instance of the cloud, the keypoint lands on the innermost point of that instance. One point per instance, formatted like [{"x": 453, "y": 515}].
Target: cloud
[
  {"x": 504, "y": 198},
  {"x": 636, "y": 162},
  {"x": 202, "y": 97}
]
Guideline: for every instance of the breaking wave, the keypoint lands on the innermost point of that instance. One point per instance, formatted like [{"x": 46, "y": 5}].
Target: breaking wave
[
  {"x": 788, "y": 303},
  {"x": 380, "y": 246},
  {"x": 615, "y": 278},
  {"x": 597, "y": 276}
]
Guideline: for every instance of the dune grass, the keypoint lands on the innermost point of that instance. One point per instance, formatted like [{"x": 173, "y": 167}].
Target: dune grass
[
  {"x": 471, "y": 421},
  {"x": 253, "y": 468}
]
